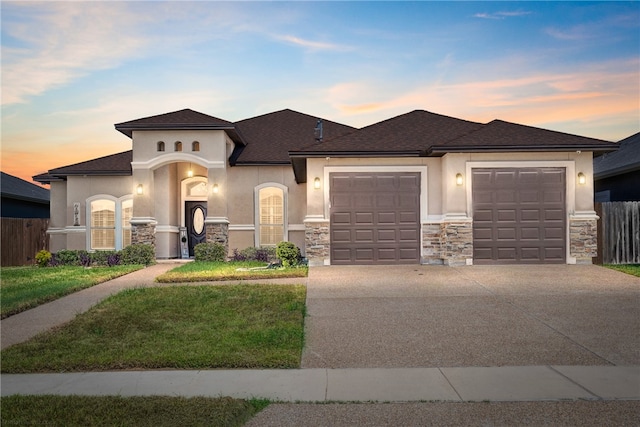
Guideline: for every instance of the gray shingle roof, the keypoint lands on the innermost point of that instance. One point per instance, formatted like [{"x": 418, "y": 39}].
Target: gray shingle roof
[
  {"x": 626, "y": 159},
  {"x": 16, "y": 188},
  {"x": 270, "y": 137},
  {"x": 115, "y": 164}
]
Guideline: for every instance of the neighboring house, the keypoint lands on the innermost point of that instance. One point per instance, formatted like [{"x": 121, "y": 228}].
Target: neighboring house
[
  {"x": 22, "y": 199},
  {"x": 617, "y": 175},
  {"x": 416, "y": 188}
]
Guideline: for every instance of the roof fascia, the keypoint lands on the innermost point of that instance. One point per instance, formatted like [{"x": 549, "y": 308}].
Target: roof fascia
[
  {"x": 443, "y": 149},
  {"x": 617, "y": 171},
  {"x": 370, "y": 154}
]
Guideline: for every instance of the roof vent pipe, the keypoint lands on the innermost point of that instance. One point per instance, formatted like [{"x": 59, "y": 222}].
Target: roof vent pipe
[{"x": 318, "y": 131}]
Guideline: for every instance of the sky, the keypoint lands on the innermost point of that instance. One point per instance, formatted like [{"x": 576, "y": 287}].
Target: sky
[{"x": 71, "y": 70}]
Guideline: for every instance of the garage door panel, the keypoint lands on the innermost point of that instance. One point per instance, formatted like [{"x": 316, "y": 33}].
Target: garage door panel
[
  {"x": 341, "y": 218},
  {"x": 363, "y": 218},
  {"x": 363, "y": 236},
  {"x": 408, "y": 235},
  {"x": 341, "y": 201},
  {"x": 387, "y": 235},
  {"x": 530, "y": 233},
  {"x": 537, "y": 233},
  {"x": 381, "y": 224}
]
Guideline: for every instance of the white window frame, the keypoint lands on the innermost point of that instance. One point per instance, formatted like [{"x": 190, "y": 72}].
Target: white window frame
[
  {"x": 285, "y": 216},
  {"x": 118, "y": 201}
]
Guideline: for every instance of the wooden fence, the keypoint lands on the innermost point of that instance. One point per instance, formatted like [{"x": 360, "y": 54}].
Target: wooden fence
[
  {"x": 618, "y": 233},
  {"x": 22, "y": 238}
]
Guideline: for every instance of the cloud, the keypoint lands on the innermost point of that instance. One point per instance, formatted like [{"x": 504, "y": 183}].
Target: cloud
[
  {"x": 501, "y": 15},
  {"x": 60, "y": 41},
  {"x": 314, "y": 45}
]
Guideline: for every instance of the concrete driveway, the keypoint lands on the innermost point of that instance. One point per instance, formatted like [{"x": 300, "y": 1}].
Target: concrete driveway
[{"x": 433, "y": 316}]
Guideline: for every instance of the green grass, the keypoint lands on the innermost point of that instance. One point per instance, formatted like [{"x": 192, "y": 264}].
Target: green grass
[
  {"x": 22, "y": 288},
  {"x": 215, "y": 271},
  {"x": 633, "y": 269},
  {"x": 127, "y": 411},
  {"x": 177, "y": 327}
]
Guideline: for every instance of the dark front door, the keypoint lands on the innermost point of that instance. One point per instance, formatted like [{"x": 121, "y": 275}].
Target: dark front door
[{"x": 195, "y": 214}]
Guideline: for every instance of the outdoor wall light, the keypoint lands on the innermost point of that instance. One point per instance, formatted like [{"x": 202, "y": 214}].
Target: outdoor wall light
[
  {"x": 459, "y": 180},
  {"x": 216, "y": 188},
  {"x": 190, "y": 173},
  {"x": 316, "y": 183},
  {"x": 582, "y": 179},
  {"x": 139, "y": 190}
]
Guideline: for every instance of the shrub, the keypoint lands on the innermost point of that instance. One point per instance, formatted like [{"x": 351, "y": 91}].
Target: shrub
[
  {"x": 288, "y": 253},
  {"x": 113, "y": 259},
  {"x": 263, "y": 254},
  {"x": 138, "y": 253},
  {"x": 42, "y": 258},
  {"x": 68, "y": 257},
  {"x": 209, "y": 252},
  {"x": 84, "y": 258}
]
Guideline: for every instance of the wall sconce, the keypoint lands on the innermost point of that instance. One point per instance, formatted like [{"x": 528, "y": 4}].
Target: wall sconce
[
  {"x": 139, "y": 190},
  {"x": 582, "y": 179},
  {"x": 459, "y": 180},
  {"x": 216, "y": 188},
  {"x": 190, "y": 173},
  {"x": 316, "y": 183}
]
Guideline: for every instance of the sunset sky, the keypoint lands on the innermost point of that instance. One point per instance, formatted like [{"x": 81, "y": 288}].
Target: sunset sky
[{"x": 71, "y": 70}]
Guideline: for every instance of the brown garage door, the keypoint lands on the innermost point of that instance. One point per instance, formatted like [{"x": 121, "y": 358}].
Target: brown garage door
[
  {"x": 375, "y": 218},
  {"x": 519, "y": 216}
]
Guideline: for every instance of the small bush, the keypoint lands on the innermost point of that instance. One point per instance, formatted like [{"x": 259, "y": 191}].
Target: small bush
[
  {"x": 209, "y": 252},
  {"x": 113, "y": 259},
  {"x": 42, "y": 258},
  {"x": 68, "y": 257},
  {"x": 262, "y": 254},
  {"x": 84, "y": 258},
  {"x": 139, "y": 253},
  {"x": 100, "y": 257},
  {"x": 288, "y": 253}
]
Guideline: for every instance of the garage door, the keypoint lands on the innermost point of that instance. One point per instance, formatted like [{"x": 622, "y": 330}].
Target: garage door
[
  {"x": 375, "y": 218},
  {"x": 519, "y": 216}
]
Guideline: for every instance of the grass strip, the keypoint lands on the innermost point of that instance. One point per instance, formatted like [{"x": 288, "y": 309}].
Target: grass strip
[
  {"x": 216, "y": 271},
  {"x": 22, "y": 288},
  {"x": 127, "y": 411},
  {"x": 179, "y": 327},
  {"x": 633, "y": 269}
]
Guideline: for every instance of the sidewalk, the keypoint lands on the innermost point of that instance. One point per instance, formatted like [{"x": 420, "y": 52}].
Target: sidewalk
[{"x": 496, "y": 384}]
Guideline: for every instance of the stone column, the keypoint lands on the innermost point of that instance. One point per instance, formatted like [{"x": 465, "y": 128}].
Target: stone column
[
  {"x": 432, "y": 244},
  {"x": 457, "y": 242},
  {"x": 317, "y": 242},
  {"x": 583, "y": 240},
  {"x": 218, "y": 232}
]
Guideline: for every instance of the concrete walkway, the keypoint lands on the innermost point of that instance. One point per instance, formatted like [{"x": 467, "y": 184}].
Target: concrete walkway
[{"x": 496, "y": 384}]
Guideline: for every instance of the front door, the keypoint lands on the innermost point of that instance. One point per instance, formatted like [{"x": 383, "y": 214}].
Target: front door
[{"x": 195, "y": 214}]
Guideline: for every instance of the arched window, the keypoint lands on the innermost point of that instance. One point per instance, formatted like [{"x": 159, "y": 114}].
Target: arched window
[
  {"x": 160, "y": 145},
  {"x": 178, "y": 146},
  {"x": 103, "y": 224},
  {"x": 270, "y": 214},
  {"x": 109, "y": 222},
  {"x": 195, "y": 146}
]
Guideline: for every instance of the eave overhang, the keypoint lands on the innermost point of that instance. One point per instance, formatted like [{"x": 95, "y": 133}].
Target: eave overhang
[
  {"x": 596, "y": 148},
  {"x": 233, "y": 133}
]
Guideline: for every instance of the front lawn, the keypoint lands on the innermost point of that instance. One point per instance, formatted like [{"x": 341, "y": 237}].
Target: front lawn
[
  {"x": 201, "y": 271},
  {"x": 633, "y": 269},
  {"x": 177, "y": 327},
  {"x": 22, "y": 288},
  {"x": 127, "y": 411}
]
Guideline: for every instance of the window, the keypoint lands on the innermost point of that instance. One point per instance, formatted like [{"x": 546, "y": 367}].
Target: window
[
  {"x": 160, "y": 145},
  {"x": 271, "y": 213},
  {"x": 178, "y": 146},
  {"x": 103, "y": 225},
  {"x": 110, "y": 222},
  {"x": 195, "y": 146}
]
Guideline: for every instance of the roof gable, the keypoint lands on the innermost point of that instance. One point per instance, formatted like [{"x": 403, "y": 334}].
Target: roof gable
[
  {"x": 16, "y": 188},
  {"x": 270, "y": 137},
  {"x": 182, "y": 119}
]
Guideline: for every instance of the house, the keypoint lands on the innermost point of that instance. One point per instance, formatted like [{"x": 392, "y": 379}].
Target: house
[
  {"x": 617, "y": 175},
  {"x": 416, "y": 188},
  {"x": 22, "y": 199}
]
